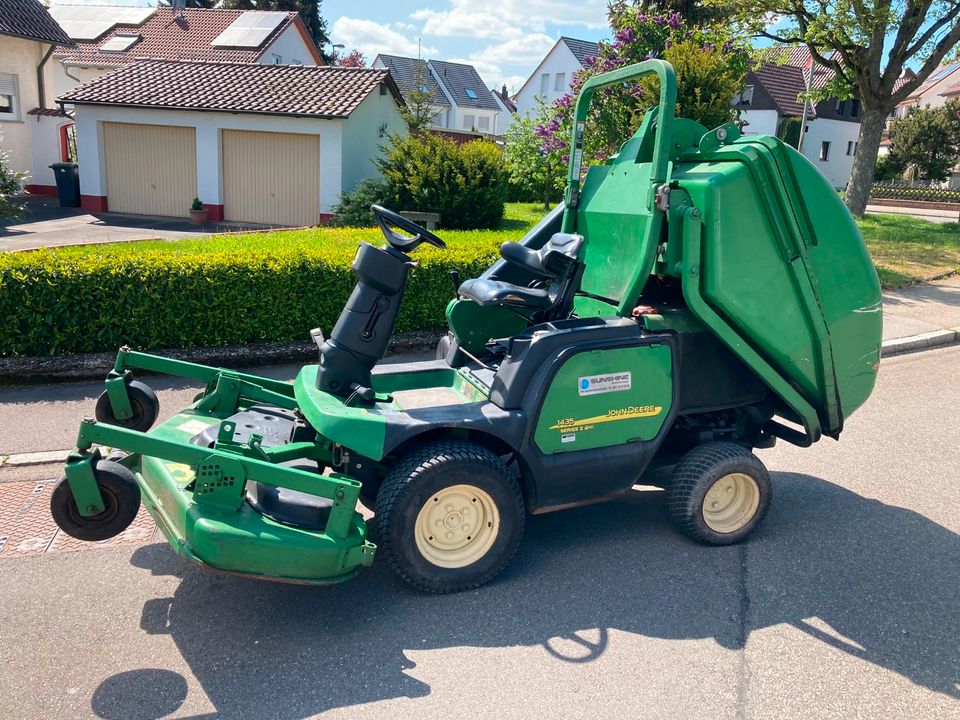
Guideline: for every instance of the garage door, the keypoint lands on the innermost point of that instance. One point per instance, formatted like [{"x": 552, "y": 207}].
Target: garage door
[
  {"x": 271, "y": 178},
  {"x": 151, "y": 169}
]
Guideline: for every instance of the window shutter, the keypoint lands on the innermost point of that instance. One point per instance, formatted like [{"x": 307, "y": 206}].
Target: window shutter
[{"x": 8, "y": 84}]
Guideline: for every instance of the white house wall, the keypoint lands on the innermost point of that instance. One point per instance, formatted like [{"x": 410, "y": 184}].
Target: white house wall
[
  {"x": 291, "y": 48},
  {"x": 21, "y": 57},
  {"x": 761, "y": 122},
  {"x": 208, "y": 125},
  {"x": 558, "y": 60},
  {"x": 365, "y": 133},
  {"x": 838, "y": 164}
]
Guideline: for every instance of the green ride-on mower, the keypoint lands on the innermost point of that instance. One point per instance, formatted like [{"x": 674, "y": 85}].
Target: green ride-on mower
[{"x": 697, "y": 296}]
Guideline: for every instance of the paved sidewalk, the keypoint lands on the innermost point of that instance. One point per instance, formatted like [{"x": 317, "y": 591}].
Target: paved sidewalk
[{"x": 922, "y": 316}]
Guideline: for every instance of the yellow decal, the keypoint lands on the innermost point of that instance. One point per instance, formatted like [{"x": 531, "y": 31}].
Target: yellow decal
[{"x": 626, "y": 413}]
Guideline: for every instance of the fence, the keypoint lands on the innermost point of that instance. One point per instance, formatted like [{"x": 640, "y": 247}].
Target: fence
[{"x": 890, "y": 191}]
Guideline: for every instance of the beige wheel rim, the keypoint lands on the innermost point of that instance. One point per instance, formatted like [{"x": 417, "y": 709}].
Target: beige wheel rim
[
  {"x": 456, "y": 526},
  {"x": 731, "y": 502}
]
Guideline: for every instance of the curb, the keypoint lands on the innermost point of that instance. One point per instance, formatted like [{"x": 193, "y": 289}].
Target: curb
[
  {"x": 35, "y": 458},
  {"x": 924, "y": 341}
]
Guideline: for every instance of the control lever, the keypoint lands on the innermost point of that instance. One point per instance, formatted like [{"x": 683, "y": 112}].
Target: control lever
[
  {"x": 455, "y": 278},
  {"x": 367, "y": 395},
  {"x": 317, "y": 335}
]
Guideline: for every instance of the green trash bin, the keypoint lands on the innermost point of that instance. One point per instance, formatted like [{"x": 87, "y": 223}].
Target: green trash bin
[{"x": 68, "y": 183}]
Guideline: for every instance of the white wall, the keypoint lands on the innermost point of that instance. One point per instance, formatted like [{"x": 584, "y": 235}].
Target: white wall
[
  {"x": 838, "y": 164},
  {"x": 504, "y": 117},
  {"x": 558, "y": 60},
  {"x": 59, "y": 82},
  {"x": 208, "y": 125},
  {"x": 761, "y": 122},
  {"x": 291, "y": 48},
  {"x": 46, "y": 148},
  {"x": 21, "y": 57},
  {"x": 367, "y": 130}
]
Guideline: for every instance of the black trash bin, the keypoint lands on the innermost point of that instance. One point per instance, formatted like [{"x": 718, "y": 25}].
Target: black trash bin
[{"x": 68, "y": 183}]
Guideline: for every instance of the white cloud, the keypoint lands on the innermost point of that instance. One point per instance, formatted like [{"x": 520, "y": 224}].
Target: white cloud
[
  {"x": 372, "y": 38},
  {"x": 509, "y": 19},
  {"x": 403, "y": 27},
  {"x": 491, "y": 60}
]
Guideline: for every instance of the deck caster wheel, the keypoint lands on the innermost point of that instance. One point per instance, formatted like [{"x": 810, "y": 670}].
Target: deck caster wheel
[
  {"x": 448, "y": 517},
  {"x": 143, "y": 402},
  {"x": 719, "y": 493},
  {"x": 121, "y": 500},
  {"x": 443, "y": 347}
]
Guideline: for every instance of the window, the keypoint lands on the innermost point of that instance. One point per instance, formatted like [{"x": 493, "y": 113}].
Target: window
[
  {"x": 855, "y": 108},
  {"x": 841, "y": 106},
  {"x": 545, "y": 83},
  {"x": 470, "y": 93},
  {"x": 9, "y": 102},
  {"x": 744, "y": 98},
  {"x": 438, "y": 119},
  {"x": 277, "y": 59},
  {"x": 852, "y": 147},
  {"x": 483, "y": 123},
  {"x": 561, "y": 82},
  {"x": 424, "y": 89},
  {"x": 468, "y": 122},
  {"x": 824, "y": 151}
]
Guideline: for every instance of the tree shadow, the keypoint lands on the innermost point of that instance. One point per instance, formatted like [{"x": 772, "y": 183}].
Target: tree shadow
[{"x": 882, "y": 578}]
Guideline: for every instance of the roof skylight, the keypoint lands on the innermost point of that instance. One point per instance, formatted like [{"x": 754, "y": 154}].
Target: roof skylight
[{"x": 120, "y": 43}]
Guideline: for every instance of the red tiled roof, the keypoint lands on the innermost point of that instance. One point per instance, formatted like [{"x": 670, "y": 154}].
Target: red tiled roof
[
  {"x": 188, "y": 37},
  {"x": 784, "y": 83},
  {"x": 49, "y": 112},
  {"x": 29, "y": 19},
  {"x": 302, "y": 90}
]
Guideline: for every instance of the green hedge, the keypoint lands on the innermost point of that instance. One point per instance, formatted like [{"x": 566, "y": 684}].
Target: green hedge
[{"x": 222, "y": 291}]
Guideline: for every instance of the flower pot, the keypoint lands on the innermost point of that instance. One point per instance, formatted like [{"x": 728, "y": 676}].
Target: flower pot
[{"x": 198, "y": 217}]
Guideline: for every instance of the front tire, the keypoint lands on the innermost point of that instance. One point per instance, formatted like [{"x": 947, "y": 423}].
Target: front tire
[
  {"x": 448, "y": 517},
  {"x": 121, "y": 500},
  {"x": 719, "y": 493},
  {"x": 143, "y": 402}
]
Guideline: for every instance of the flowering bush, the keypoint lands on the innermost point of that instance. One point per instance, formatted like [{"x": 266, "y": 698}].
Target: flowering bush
[{"x": 709, "y": 61}]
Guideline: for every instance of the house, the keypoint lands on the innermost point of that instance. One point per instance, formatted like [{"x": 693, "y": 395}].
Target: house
[
  {"x": 831, "y": 130},
  {"x": 104, "y": 38},
  {"x": 507, "y": 110},
  {"x": 272, "y": 144},
  {"x": 28, "y": 36},
  {"x": 459, "y": 98},
  {"x": 551, "y": 80}
]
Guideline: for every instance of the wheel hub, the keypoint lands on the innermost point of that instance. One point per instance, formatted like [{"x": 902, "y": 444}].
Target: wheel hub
[
  {"x": 731, "y": 502},
  {"x": 456, "y": 526}
]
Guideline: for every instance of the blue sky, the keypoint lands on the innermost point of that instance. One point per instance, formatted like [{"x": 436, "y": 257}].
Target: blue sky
[{"x": 503, "y": 39}]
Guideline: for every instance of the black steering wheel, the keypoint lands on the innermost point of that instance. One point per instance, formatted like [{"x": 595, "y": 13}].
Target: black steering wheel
[{"x": 388, "y": 220}]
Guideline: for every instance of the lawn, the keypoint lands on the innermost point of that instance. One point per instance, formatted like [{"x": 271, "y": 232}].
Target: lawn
[{"x": 908, "y": 250}]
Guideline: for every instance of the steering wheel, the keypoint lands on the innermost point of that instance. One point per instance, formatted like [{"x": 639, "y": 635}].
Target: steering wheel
[{"x": 388, "y": 220}]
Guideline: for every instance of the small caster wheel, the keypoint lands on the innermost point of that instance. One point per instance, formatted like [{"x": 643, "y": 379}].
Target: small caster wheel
[
  {"x": 719, "y": 493},
  {"x": 121, "y": 500},
  {"x": 143, "y": 402},
  {"x": 443, "y": 347}
]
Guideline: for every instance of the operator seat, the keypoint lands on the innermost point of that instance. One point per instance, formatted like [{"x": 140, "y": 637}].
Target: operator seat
[{"x": 555, "y": 266}]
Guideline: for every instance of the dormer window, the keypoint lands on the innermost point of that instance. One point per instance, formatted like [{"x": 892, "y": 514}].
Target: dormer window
[{"x": 471, "y": 94}]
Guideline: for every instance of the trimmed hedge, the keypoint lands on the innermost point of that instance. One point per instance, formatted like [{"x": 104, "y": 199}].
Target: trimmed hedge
[{"x": 228, "y": 290}]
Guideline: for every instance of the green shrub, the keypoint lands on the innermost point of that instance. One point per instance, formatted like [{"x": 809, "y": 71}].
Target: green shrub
[
  {"x": 466, "y": 184},
  {"x": 220, "y": 291},
  {"x": 353, "y": 210}
]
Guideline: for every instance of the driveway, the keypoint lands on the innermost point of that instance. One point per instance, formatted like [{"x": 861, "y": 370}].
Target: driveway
[{"x": 46, "y": 224}]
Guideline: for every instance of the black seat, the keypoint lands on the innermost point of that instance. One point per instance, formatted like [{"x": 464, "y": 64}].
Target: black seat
[
  {"x": 554, "y": 268},
  {"x": 494, "y": 292}
]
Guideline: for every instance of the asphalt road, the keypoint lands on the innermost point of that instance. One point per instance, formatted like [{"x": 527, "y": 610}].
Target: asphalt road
[{"x": 846, "y": 604}]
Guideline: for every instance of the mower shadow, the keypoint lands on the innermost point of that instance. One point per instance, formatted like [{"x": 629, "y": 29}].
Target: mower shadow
[{"x": 882, "y": 577}]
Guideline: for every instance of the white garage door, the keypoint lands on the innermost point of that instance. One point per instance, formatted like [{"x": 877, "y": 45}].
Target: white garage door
[
  {"x": 271, "y": 178},
  {"x": 151, "y": 169}
]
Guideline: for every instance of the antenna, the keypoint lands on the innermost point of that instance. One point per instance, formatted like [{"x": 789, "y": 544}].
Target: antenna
[{"x": 419, "y": 57}]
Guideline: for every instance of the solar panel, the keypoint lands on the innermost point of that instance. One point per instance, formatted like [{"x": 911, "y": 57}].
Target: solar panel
[
  {"x": 119, "y": 43},
  {"x": 250, "y": 29},
  {"x": 88, "y": 22}
]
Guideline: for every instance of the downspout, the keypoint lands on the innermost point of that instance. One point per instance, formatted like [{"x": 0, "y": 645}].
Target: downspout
[{"x": 41, "y": 85}]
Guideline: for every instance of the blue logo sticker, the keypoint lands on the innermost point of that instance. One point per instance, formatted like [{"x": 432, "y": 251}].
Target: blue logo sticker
[{"x": 585, "y": 383}]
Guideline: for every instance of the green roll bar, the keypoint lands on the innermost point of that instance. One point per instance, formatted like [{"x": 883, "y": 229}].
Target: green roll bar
[{"x": 661, "y": 149}]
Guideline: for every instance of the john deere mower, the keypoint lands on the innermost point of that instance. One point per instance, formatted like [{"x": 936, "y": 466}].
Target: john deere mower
[{"x": 699, "y": 295}]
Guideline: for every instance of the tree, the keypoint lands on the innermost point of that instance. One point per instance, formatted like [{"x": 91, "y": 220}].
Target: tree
[
  {"x": 711, "y": 66},
  {"x": 848, "y": 37},
  {"x": 310, "y": 12},
  {"x": 354, "y": 59},
  {"x": 418, "y": 112},
  {"x": 534, "y": 174},
  {"x": 695, "y": 12},
  {"x": 926, "y": 140},
  {"x": 11, "y": 185}
]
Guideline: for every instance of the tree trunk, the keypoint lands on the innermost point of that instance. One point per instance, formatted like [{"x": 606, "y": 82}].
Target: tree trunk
[{"x": 865, "y": 160}]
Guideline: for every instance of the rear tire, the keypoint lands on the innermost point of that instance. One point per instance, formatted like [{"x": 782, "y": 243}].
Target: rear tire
[
  {"x": 143, "y": 402},
  {"x": 449, "y": 516},
  {"x": 719, "y": 493},
  {"x": 121, "y": 499}
]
